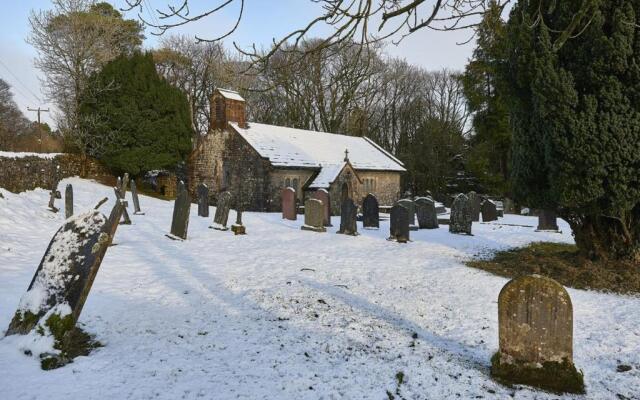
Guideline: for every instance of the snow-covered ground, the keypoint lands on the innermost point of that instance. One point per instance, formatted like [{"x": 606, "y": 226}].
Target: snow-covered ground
[
  {"x": 23, "y": 154},
  {"x": 283, "y": 313}
]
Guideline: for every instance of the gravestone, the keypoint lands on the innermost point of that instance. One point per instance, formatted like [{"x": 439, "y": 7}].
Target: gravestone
[
  {"x": 535, "y": 319},
  {"x": 370, "y": 212},
  {"x": 348, "y": 218},
  {"x": 509, "y": 206},
  {"x": 203, "y": 200},
  {"x": 181, "y": 209},
  {"x": 289, "y": 205},
  {"x": 399, "y": 224},
  {"x": 411, "y": 207},
  {"x": 221, "y": 217},
  {"x": 474, "y": 206},
  {"x": 489, "y": 211},
  {"x": 313, "y": 216},
  {"x": 426, "y": 211},
  {"x": 238, "y": 228},
  {"x": 323, "y": 196},
  {"x": 461, "y": 220},
  {"x": 136, "y": 200},
  {"x": 53, "y": 195},
  {"x": 500, "y": 208},
  {"x": 548, "y": 221},
  {"x": 121, "y": 192},
  {"x": 68, "y": 201}
]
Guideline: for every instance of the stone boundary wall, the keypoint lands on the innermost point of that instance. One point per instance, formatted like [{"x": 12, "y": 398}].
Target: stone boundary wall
[{"x": 18, "y": 174}]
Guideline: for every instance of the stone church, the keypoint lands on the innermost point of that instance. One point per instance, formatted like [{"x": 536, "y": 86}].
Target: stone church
[{"x": 256, "y": 161}]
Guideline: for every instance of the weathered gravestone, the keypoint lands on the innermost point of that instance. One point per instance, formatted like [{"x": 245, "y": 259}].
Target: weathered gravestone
[
  {"x": 370, "y": 212},
  {"x": 489, "y": 211},
  {"x": 323, "y": 196},
  {"x": 461, "y": 220},
  {"x": 135, "y": 198},
  {"x": 54, "y": 194},
  {"x": 181, "y": 209},
  {"x": 221, "y": 217},
  {"x": 535, "y": 318},
  {"x": 238, "y": 228},
  {"x": 548, "y": 221},
  {"x": 426, "y": 211},
  {"x": 313, "y": 216},
  {"x": 121, "y": 191},
  {"x": 289, "y": 205},
  {"x": 411, "y": 207},
  {"x": 61, "y": 284},
  {"x": 203, "y": 200},
  {"x": 348, "y": 218},
  {"x": 500, "y": 208},
  {"x": 399, "y": 224},
  {"x": 68, "y": 201},
  {"x": 474, "y": 206}
]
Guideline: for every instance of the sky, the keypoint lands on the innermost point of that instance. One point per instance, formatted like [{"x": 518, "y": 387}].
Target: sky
[{"x": 263, "y": 20}]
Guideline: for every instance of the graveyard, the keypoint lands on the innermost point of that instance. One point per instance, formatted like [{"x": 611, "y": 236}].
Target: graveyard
[{"x": 285, "y": 312}]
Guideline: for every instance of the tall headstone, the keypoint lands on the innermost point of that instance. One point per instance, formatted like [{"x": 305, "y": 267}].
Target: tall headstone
[
  {"x": 203, "y": 200},
  {"x": 474, "y": 206},
  {"x": 323, "y": 196},
  {"x": 461, "y": 219},
  {"x": 489, "y": 211},
  {"x": 221, "y": 217},
  {"x": 181, "y": 209},
  {"x": 500, "y": 208},
  {"x": 411, "y": 207},
  {"x": 289, "y": 205},
  {"x": 348, "y": 218},
  {"x": 399, "y": 224},
  {"x": 370, "y": 212},
  {"x": 135, "y": 198},
  {"x": 68, "y": 201},
  {"x": 313, "y": 216},
  {"x": 535, "y": 319},
  {"x": 548, "y": 221},
  {"x": 426, "y": 211}
]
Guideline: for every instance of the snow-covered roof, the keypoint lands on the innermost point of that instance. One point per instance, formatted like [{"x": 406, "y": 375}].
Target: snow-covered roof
[
  {"x": 327, "y": 176},
  {"x": 290, "y": 147},
  {"x": 230, "y": 94}
]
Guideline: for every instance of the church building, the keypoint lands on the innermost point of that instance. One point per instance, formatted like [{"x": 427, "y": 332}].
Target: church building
[{"x": 255, "y": 161}]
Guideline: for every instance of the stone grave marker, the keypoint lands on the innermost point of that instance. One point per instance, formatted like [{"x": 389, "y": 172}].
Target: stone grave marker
[
  {"x": 535, "y": 318},
  {"x": 221, "y": 217},
  {"x": 313, "y": 216},
  {"x": 238, "y": 228},
  {"x": 461, "y": 219},
  {"x": 474, "y": 206},
  {"x": 289, "y": 209},
  {"x": 54, "y": 194},
  {"x": 323, "y": 196},
  {"x": 411, "y": 207},
  {"x": 426, "y": 212},
  {"x": 399, "y": 224},
  {"x": 509, "y": 206},
  {"x": 135, "y": 198},
  {"x": 348, "y": 218},
  {"x": 489, "y": 211},
  {"x": 370, "y": 212},
  {"x": 181, "y": 209},
  {"x": 548, "y": 221},
  {"x": 203, "y": 200},
  {"x": 121, "y": 191},
  {"x": 500, "y": 208},
  {"x": 68, "y": 201}
]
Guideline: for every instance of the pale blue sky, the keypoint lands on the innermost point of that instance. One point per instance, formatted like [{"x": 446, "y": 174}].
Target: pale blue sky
[{"x": 263, "y": 20}]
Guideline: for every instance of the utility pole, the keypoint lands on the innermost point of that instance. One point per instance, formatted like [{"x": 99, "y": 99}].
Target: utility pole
[{"x": 39, "y": 110}]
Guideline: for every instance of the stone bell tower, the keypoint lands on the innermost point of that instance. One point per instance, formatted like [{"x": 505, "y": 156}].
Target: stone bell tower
[{"x": 227, "y": 106}]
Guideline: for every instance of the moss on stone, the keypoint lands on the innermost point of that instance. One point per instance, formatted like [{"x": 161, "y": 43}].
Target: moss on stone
[
  {"x": 24, "y": 321},
  {"x": 552, "y": 376}
]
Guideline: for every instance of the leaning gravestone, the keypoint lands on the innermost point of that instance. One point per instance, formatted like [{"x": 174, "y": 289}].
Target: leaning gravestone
[
  {"x": 203, "y": 200},
  {"x": 370, "y": 212},
  {"x": 323, "y": 196},
  {"x": 489, "y": 211},
  {"x": 136, "y": 199},
  {"x": 313, "y": 216},
  {"x": 535, "y": 319},
  {"x": 221, "y": 217},
  {"x": 181, "y": 209},
  {"x": 399, "y": 224},
  {"x": 474, "y": 206},
  {"x": 68, "y": 201},
  {"x": 61, "y": 284},
  {"x": 348, "y": 218},
  {"x": 289, "y": 209},
  {"x": 411, "y": 207},
  {"x": 461, "y": 220},
  {"x": 426, "y": 211},
  {"x": 548, "y": 221}
]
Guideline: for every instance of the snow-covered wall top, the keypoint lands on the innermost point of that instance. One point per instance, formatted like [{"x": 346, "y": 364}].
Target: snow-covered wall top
[
  {"x": 11, "y": 154},
  {"x": 289, "y": 147}
]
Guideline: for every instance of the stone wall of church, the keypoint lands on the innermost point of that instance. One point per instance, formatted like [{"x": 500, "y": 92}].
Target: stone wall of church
[
  {"x": 385, "y": 185},
  {"x": 278, "y": 179}
]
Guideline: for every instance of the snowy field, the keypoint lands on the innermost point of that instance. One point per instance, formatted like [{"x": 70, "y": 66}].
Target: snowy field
[{"x": 288, "y": 314}]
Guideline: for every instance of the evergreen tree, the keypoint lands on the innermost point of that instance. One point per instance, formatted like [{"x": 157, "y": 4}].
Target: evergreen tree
[
  {"x": 575, "y": 110},
  {"x": 143, "y": 121}
]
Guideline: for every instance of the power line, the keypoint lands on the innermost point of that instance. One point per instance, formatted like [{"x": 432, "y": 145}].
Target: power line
[
  {"x": 147, "y": 4},
  {"x": 35, "y": 96}
]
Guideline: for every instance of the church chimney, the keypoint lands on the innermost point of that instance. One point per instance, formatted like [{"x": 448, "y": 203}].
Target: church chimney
[{"x": 227, "y": 106}]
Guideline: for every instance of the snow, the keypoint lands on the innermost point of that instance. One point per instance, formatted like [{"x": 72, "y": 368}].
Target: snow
[
  {"x": 327, "y": 176},
  {"x": 230, "y": 94},
  {"x": 282, "y": 313},
  {"x": 290, "y": 147},
  {"x": 11, "y": 154}
]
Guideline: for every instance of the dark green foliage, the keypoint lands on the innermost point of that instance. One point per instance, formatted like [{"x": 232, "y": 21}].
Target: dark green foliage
[
  {"x": 575, "y": 113},
  {"x": 145, "y": 120}
]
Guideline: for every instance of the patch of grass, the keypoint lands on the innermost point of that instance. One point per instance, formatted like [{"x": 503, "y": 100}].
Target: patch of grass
[{"x": 563, "y": 263}]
